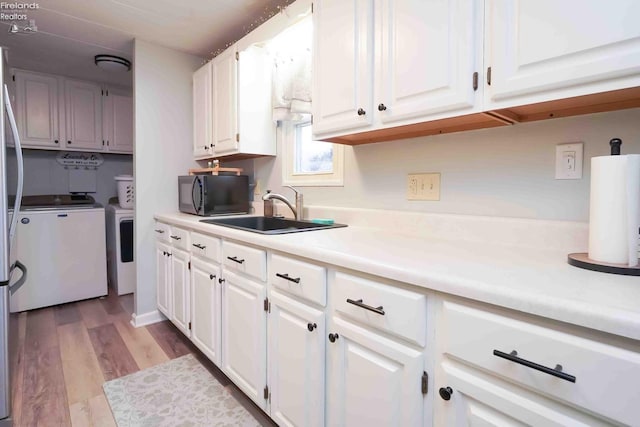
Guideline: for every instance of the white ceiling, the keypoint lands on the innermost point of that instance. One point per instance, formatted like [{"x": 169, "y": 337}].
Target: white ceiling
[{"x": 71, "y": 32}]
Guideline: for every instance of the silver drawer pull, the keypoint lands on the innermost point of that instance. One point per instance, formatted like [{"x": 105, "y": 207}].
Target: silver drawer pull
[
  {"x": 176, "y": 237},
  {"x": 359, "y": 303},
  {"x": 556, "y": 372},
  {"x": 198, "y": 246},
  {"x": 289, "y": 278},
  {"x": 235, "y": 259},
  {"x": 159, "y": 231}
]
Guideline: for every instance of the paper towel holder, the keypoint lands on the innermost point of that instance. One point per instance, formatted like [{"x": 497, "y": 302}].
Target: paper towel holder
[{"x": 582, "y": 260}]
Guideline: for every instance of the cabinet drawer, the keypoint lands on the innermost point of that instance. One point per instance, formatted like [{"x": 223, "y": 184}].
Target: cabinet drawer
[
  {"x": 179, "y": 238},
  {"x": 308, "y": 281},
  {"x": 206, "y": 247},
  {"x": 162, "y": 232},
  {"x": 250, "y": 261},
  {"x": 405, "y": 312},
  {"x": 472, "y": 335}
]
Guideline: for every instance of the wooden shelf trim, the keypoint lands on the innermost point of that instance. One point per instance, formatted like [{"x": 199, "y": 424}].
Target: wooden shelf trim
[{"x": 587, "y": 104}]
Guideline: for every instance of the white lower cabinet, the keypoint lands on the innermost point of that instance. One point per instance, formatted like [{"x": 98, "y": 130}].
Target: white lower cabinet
[
  {"x": 244, "y": 335},
  {"x": 372, "y": 380},
  {"x": 163, "y": 278},
  {"x": 181, "y": 287},
  {"x": 475, "y": 399},
  {"x": 502, "y": 366},
  {"x": 335, "y": 348},
  {"x": 205, "y": 308},
  {"x": 296, "y": 362}
]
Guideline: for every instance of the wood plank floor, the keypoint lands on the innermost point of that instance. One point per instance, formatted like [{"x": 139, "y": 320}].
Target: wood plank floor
[{"x": 66, "y": 353}]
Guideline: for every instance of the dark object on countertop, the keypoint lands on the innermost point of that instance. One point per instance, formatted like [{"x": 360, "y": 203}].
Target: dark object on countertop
[
  {"x": 582, "y": 260},
  {"x": 50, "y": 200},
  {"x": 615, "y": 144}
]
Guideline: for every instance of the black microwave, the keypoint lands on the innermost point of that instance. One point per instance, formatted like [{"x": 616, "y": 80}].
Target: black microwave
[{"x": 208, "y": 195}]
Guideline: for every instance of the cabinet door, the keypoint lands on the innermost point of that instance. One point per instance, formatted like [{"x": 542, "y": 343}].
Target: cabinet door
[
  {"x": 121, "y": 135},
  {"x": 429, "y": 52},
  {"x": 37, "y": 98},
  {"x": 180, "y": 289},
  {"x": 296, "y": 362},
  {"x": 343, "y": 65},
  {"x": 373, "y": 381},
  {"x": 479, "y": 400},
  {"x": 84, "y": 115},
  {"x": 544, "y": 50},
  {"x": 205, "y": 309},
  {"x": 202, "y": 79},
  {"x": 256, "y": 128},
  {"x": 244, "y": 330},
  {"x": 224, "y": 102},
  {"x": 163, "y": 278}
]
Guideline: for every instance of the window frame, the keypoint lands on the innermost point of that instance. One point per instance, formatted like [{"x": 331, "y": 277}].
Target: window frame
[{"x": 289, "y": 131}]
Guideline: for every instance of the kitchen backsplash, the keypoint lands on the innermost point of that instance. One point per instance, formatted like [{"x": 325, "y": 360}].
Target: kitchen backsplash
[{"x": 501, "y": 172}]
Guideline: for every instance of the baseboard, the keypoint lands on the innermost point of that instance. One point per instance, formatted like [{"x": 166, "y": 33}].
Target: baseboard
[{"x": 144, "y": 319}]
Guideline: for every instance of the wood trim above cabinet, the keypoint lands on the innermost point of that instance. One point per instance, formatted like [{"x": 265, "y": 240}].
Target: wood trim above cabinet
[{"x": 595, "y": 103}]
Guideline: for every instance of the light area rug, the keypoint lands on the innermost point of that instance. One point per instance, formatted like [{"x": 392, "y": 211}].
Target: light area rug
[{"x": 178, "y": 393}]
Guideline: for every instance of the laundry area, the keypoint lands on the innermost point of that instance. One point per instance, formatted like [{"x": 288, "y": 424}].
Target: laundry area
[{"x": 74, "y": 233}]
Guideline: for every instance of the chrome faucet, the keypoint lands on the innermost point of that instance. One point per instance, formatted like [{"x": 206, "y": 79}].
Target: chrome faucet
[{"x": 298, "y": 210}]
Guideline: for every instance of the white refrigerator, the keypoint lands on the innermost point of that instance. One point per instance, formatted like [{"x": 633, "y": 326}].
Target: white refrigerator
[{"x": 12, "y": 273}]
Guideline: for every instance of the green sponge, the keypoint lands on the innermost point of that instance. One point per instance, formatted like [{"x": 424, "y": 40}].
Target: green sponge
[{"x": 324, "y": 221}]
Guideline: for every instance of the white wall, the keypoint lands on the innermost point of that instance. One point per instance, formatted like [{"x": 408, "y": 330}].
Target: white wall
[
  {"x": 44, "y": 175},
  {"x": 163, "y": 139},
  {"x": 505, "y": 171}
]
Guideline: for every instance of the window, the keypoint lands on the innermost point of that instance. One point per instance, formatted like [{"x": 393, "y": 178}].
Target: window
[{"x": 307, "y": 162}]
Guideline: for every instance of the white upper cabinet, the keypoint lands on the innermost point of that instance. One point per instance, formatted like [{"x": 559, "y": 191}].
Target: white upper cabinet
[
  {"x": 37, "y": 109},
  {"x": 428, "y": 54},
  {"x": 410, "y": 61},
  {"x": 117, "y": 122},
  {"x": 224, "y": 69},
  {"x": 342, "y": 95},
  {"x": 545, "y": 50},
  {"x": 83, "y": 115},
  {"x": 202, "y": 97},
  {"x": 57, "y": 113},
  {"x": 241, "y": 116}
]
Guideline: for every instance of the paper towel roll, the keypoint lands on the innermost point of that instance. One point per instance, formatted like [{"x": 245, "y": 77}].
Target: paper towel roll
[{"x": 614, "y": 214}]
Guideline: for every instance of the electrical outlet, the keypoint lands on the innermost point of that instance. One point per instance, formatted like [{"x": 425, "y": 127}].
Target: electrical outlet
[
  {"x": 423, "y": 186},
  {"x": 569, "y": 160}
]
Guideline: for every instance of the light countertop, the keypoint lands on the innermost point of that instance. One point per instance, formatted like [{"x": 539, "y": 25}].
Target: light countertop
[{"x": 531, "y": 280}]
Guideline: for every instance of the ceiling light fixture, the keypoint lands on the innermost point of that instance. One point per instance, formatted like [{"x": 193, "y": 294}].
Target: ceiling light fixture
[{"x": 112, "y": 63}]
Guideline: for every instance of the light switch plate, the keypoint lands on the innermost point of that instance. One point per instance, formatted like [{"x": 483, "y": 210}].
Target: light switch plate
[
  {"x": 569, "y": 160},
  {"x": 423, "y": 186}
]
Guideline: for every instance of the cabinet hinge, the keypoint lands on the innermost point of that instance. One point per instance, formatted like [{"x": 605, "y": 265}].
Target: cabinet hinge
[
  {"x": 102, "y": 92},
  {"x": 189, "y": 265},
  {"x": 13, "y": 77},
  {"x": 267, "y": 305},
  {"x": 189, "y": 325},
  {"x": 237, "y": 137},
  {"x": 425, "y": 383},
  {"x": 489, "y": 76},
  {"x": 107, "y": 92},
  {"x": 103, "y": 142},
  {"x": 237, "y": 56},
  {"x": 266, "y": 393},
  {"x": 475, "y": 81},
  {"x": 311, "y": 7}
]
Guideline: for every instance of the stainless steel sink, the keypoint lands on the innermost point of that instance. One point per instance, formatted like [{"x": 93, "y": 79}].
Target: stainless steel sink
[{"x": 269, "y": 225}]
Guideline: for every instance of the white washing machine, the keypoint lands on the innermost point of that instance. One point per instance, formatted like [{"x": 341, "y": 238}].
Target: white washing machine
[{"x": 121, "y": 267}]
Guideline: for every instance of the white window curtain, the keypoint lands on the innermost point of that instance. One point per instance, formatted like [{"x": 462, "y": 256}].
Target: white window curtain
[{"x": 291, "y": 89}]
